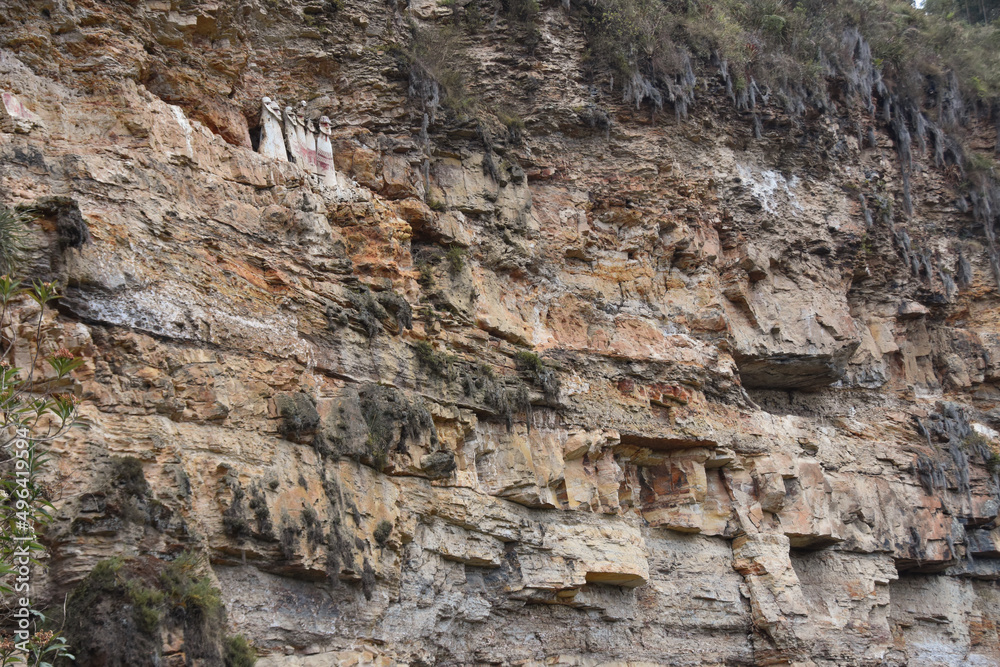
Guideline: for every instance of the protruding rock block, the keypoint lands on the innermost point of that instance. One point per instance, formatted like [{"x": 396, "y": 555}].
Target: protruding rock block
[
  {"x": 776, "y": 597},
  {"x": 911, "y": 310},
  {"x": 581, "y": 551},
  {"x": 807, "y": 517},
  {"x": 793, "y": 371},
  {"x": 460, "y": 544}
]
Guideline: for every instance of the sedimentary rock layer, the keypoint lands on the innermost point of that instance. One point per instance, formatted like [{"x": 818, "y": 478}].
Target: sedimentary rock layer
[{"x": 655, "y": 392}]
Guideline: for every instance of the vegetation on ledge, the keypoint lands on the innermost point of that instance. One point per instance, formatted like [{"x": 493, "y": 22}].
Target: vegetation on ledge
[{"x": 791, "y": 50}]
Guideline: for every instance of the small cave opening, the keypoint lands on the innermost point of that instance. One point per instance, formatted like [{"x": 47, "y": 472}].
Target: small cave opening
[{"x": 255, "y": 132}]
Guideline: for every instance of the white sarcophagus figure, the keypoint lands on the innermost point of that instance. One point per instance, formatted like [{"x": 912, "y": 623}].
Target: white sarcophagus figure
[
  {"x": 310, "y": 148},
  {"x": 15, "y": 116},
  {"x": 290, "y": 126},
  {"x": 288, "y": 135},
  {"x": 300, "y": 133},
  {"x": 272, "y": 141},
  {"x": 324, "y": 154}
]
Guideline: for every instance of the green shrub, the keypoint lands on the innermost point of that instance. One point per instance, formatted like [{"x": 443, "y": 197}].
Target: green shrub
[
  {"x": 298, "y": 414},
  {"x": 978, "y": 164},
  {"x": 373, "y": 309},
  {"x": 867, "y": 246},
  {"x": 397, "y": 306},
  {"x": 289, "y": 536},
  {"x": 776, "y": 44},
  {"x": 976, "y": 442},
  {"x": 514, "y": 124},
  {"x": 971, "y": 11},
  {"x": 426, "y": 275},
  {"x": 185, "y": 589},
  {"x": 435, "y": 62},
  {"x": 127, "y": 476},
  {"x": 112, "y": 613},
  {"x": 382, "y": 532},
  {"x": 528, "y": 361},
  {"x": 261, "y": 513},
  {"x": 522, "y": 15},
  {"x": 455, "y": 258},
  {"x": 437, "y": 363},
  {"x": 367, "y": 579},
  {"x": 993, "y": 463},
  {"x": 483, "y": 385},
  {"x": 234, "y": 520},
  {"x": 130, "y": 497},
  {"x": 439, "y": 464},
  {"x": 13, "y": 233},
  {"x": 544, "y": 376},
  {"x": 369, "y": 311},
  {"x": 120, "y": 609},
  {"x": 391, "y": 421},
  {"x": 71, "y": 228},
  {"x": 520, "y": 10},
  {"x": 313, "y": 526},
  {"x": 239, "y": 652}
]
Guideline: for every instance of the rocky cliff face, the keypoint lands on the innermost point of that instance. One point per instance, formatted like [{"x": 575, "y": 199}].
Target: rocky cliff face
[{"x": 591, "y": 386}]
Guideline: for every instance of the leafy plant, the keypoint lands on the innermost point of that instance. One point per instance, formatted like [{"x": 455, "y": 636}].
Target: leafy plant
[
  {"x": 42, "y": 649},
  {"x": 35, "y": 409}
]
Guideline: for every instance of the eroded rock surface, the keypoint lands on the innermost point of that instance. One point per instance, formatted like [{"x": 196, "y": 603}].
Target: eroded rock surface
[{"x": 649, "y": 395}]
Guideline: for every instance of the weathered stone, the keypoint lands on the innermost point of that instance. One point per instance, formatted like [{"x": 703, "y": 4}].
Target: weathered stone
[{"x": 655, "y": 406}]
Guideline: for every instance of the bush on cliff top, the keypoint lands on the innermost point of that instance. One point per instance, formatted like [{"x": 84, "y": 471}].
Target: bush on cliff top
[
  {"x": 791, "y": 49},
  {"x": 435, "y": 75},
  {"x": 972, "y": 11},
  {"x": 925, "y": 76}
]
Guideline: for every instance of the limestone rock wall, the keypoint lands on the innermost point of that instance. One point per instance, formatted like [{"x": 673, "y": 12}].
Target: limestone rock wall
[{"x": 652, "y": 392}]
